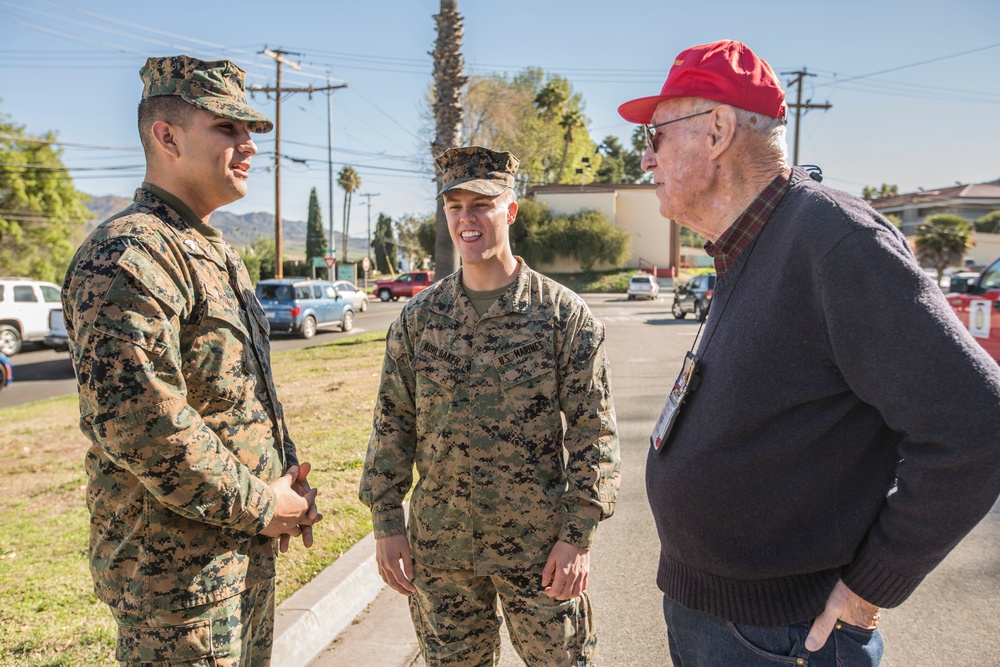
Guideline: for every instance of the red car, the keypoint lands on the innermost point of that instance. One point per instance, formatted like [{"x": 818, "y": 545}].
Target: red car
[
  {"x": 978, "y": 306},
  {"x": 405, "y": 284}
]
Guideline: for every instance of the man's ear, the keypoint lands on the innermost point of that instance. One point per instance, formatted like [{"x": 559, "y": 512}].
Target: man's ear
[
  {"x": 721, "y": 130},
  {"x": 165, "y": 136},
  {"x": 511, "y": 213}
]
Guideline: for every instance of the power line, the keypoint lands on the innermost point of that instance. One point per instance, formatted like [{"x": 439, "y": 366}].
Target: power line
[{"x": 799, "y": 105}]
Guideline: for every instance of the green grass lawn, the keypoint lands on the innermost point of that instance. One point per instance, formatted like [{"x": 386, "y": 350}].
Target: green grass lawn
[{"x": 49, "y": 615}]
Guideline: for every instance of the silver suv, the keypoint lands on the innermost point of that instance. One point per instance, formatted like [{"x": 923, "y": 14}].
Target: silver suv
[{"x": 24, "y": 311}]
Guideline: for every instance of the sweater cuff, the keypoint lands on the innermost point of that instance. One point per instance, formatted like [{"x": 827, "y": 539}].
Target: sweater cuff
[
  {"x": 877, "y": 582},
  {"x": 579, "y": 525},
  {"x": 388, "y": 521}
]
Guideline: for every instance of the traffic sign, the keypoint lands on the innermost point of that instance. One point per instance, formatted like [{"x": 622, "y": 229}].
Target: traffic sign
[
  {"x": 330, "y": 261},
  {"x": 366, "y": 264}
]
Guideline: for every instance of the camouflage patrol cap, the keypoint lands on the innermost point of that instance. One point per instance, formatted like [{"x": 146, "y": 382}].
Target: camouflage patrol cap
[
  {"x": 213, "y": 85},
  {"x": 477, "y": 169}
]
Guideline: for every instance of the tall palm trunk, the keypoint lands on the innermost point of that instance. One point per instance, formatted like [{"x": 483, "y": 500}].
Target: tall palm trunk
[{"x": 448, "y": 83}]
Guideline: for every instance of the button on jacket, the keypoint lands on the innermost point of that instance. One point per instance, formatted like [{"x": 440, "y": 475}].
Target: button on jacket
[
  {"x": 171, "y": 353},
  {"x": 477, "y": 404}
]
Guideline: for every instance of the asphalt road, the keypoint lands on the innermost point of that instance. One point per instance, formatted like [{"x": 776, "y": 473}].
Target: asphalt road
[{"x": 42, "y": 373}]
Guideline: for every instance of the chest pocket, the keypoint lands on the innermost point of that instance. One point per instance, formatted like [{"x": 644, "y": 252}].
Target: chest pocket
[
  {"x": 439, "y": 368},
  {"x": 525, "y": 363}
]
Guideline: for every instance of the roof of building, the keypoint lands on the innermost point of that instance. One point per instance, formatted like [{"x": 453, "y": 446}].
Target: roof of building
[{"x": 981, "y": 192}]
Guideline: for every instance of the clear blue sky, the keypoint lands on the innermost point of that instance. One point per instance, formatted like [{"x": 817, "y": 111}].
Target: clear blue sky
[{"x": 907, "y": 107}]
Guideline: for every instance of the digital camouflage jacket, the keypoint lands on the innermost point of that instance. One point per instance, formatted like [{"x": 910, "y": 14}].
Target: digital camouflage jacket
[
  {"x": 172, "y": 360},
  {"x": 477, "y": 405}
]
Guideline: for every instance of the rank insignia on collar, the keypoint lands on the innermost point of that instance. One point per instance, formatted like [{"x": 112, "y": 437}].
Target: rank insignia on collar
[{"x": 192, "y": 246}]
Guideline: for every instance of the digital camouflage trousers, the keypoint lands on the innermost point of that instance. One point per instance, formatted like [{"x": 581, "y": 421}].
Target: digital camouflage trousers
[{"x": 235, "y": 632}]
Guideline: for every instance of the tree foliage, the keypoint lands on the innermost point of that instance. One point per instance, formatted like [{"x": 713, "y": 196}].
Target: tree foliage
[
  {"x": 537, "y": 118},
  {"x": 942, "y": 241},
  {"x": 259, "y": 258},
  {"x": 384, "y": 244},
  {"x": 885, "y": 190},
  {"x": 42, "y": 216},
  {"x": 315, "y": 240},
  {"x": 619, "y": 164},
  {"x": 416, "y": 236},
  {"x": 989, "y": 223},
  {"x": 587, "y": 236}
]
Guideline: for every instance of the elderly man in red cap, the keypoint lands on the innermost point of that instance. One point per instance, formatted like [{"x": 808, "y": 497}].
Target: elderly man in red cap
[{"x": 807, "y": 468}]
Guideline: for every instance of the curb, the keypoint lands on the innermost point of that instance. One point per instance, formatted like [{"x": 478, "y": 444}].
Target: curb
[{"x": 316, "y": 613}]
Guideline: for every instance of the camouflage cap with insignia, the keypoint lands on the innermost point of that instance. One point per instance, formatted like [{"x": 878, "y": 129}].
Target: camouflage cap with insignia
[
  {"x": 477, "y": 169},
  {"x": 213, "y": 85}
]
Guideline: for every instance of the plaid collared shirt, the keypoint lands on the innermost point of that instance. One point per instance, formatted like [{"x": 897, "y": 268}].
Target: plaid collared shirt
[{"x": 739, "y": 235}]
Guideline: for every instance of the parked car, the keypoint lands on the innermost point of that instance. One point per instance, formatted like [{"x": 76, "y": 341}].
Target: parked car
[
  {"x": 57, "y": 339},
  {"x": 6, "y": 371},
  {"x": 24, "y": 312},
  {"x": 643, "y": 286},
  {"x": 302, "y": 306},
  {"x": 978, "y": 306},
  {"x": 351, "y": 292},
  {"x": 405, "y": 284},
  {"x": 695, "y": 297},
  {"x": 961, "y": 281}
]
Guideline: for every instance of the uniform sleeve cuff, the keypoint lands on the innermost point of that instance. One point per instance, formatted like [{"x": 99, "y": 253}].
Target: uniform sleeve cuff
[
  {"x": 579, "y": 526},
  {"x": 388, "y": 522},
  {"x": 261, "y": 507}
]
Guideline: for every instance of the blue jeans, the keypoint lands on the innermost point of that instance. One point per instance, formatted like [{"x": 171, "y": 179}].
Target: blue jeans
[{"x": 698, "y": 639}]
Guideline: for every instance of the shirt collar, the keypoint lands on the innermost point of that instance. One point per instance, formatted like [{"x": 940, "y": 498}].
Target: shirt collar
[
  {"x": 184, "y": 211},
  {"x": 728, "y": 247}
]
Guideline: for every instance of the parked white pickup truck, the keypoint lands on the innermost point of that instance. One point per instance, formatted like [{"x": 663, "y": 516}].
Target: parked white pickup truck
[{"x": 24, "y": 311}]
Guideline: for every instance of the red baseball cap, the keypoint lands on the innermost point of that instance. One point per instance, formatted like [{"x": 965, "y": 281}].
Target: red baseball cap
[{"x": 726, "y": 71}]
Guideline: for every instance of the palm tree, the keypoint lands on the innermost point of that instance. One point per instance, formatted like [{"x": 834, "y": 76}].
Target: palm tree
[
  {"x": 349, "y": 181},
  {"x": 551, "y": 99},
  {"x": 571, "y": 120},
  {"x": 448, "y": 83},
  {"x": 942, "y": 241}
]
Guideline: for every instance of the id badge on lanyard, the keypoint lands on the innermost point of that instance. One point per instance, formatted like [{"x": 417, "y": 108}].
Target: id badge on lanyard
[{"x": 686, "y": 382}]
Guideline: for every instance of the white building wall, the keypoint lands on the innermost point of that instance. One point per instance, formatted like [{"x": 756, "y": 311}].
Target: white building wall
[
  {"x": 987, "y": 248},
  {"x": 635, "y": 210}
]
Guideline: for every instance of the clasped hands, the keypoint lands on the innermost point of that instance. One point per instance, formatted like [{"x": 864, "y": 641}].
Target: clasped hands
[{"x": 296, "y": 511}]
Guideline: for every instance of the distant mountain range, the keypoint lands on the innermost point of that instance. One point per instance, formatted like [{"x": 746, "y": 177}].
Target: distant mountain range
[{"x": 239, "y": 230}]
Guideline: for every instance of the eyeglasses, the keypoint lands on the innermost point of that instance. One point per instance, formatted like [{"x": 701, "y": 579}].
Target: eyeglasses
[{"x": 652, "y": 136}]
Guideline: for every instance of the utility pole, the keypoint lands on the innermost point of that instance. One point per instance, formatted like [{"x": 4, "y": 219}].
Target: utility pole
[
  {"x": 329, "y": 165},
  {"x": 799, "y": 106},
  {"x": 368, "y": 253},
  {"x": 279, "y": 60}
]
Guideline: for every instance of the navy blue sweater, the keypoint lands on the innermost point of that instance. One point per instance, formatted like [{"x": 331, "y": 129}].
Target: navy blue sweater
[{"x": 846, "y": 424}]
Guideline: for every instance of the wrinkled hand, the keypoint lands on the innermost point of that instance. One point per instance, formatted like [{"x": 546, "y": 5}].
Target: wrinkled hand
[
  {"x": 844, "y": 605},
  {"x": 395, "y": 565},
  {"x": 566, "y": 571},
  {"x": 293, "y": 509},
  {"x": 301, "y": 487}
]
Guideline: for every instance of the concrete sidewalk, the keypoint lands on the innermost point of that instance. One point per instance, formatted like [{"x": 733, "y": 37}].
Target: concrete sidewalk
[{"x": 322, "y": 609}]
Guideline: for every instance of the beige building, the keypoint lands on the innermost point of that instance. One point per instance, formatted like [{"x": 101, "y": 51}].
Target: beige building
[
  {"x": 967, "y": 201},
  {"x": 632, "y": 207}
]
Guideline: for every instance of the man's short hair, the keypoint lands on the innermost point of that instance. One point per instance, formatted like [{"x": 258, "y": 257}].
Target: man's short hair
[
  {"x": 168, "y": 108},
  {"x": 771, "y": 130}
]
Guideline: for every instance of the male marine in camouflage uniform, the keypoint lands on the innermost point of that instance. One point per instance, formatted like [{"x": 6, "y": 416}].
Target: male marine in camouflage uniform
[
  {"x": 479, "y": 372},
  {"x": 193, "y": 482}
]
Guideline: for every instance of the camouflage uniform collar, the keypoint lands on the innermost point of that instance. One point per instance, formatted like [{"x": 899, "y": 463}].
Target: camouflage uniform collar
[
  {"x": 453, "y": 302},
  {"x": 196, "y": 232}
]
